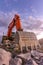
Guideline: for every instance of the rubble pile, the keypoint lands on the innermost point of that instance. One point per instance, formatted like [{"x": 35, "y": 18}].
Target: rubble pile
[
  {"x": 32, "y": 58},
  {"x": 4, "y": 57}
]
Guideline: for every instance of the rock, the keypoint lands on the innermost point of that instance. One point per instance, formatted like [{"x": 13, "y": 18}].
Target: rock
[{"x": 4, "y": 57}]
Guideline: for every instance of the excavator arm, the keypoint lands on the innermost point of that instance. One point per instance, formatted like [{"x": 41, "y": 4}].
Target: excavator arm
[
  {"x": 15, "y": 22},
  {"x": 11, "y": 25},
  {"x": 18, "y": 23}
]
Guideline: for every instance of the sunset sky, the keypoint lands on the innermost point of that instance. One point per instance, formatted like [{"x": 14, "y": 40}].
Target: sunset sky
[{"x": 30, "y": 11}]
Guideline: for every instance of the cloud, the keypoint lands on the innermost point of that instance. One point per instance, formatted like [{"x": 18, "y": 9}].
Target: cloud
[
  {"x": 2, "y": 19},
  {"x": 39, "y": 36},
  {"x": 9, "y": 2},
  {"x": 5, "y": 18},
  {"x": 33, "y": 9},
  {"x": 32, "y": 23}
]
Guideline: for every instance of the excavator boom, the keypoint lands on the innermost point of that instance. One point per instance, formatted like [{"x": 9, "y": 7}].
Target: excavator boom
[
  {"x": 11, "y": 25},
  {"x": 15, "y": 22}
]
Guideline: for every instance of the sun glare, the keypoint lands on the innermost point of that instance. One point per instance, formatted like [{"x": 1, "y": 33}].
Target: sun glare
[{"x": 40, "y": 35}]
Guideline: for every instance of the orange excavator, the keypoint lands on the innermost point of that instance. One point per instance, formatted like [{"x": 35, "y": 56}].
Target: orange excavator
[{"x": 15, "y": 22}]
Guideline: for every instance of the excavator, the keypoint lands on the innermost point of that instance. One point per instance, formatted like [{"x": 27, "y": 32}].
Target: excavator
[
  {"x": 21, "y": 38},
  {"x": 15, "y": 22}
]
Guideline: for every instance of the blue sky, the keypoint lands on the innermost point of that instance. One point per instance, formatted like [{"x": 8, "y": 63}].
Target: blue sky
[{"x": 30, "y": 11}]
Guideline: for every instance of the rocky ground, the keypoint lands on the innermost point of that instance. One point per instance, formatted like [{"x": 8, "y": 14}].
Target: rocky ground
[
  {"x": 4, "y": 57},
  {"x": 35, "y": 59}
]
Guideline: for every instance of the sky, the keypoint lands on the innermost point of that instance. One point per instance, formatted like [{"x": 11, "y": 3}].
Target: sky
[{"x": 30, "y": 11}]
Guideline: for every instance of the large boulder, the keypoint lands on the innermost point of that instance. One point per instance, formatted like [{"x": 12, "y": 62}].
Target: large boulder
[
  {"x": 41, "y": 45},
  {"x": 4, "y": 57}
]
